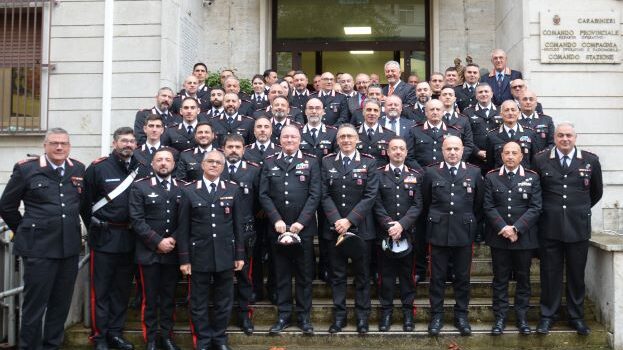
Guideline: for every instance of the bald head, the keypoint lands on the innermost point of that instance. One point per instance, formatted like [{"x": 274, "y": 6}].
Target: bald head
[{"x": 452, "y": 149}]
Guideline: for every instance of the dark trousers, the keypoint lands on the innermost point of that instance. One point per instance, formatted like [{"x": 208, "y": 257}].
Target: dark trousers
[
  {"x": 361, "y": 272},
  {"x": 505, "y": 262},
  {"x": 244, "y": 278},
  {"x": 300, "y": 266},
  {"x": 48, "y": 283},
  {"x": 421, "y": 249},
  {"x": 111, "y": 280},
  {"x": 557, "y": 256},
  {"x": 461, "y": 259},
  {"x": 402, "y": 268},
  {"x": 158, "y": 304},
  {"x": 260, "y": 256},
  {"x": 210, "y": 332}
]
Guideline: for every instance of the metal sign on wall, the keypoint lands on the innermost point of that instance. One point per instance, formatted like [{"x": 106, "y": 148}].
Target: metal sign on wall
[{"x": 580, "y": 36}]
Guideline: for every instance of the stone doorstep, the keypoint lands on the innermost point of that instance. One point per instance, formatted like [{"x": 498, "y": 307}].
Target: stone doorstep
[{"x": 607, "y": 242}]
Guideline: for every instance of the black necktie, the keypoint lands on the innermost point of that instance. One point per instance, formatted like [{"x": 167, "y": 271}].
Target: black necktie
[
  {"x": 152, "y": 150},
  {"x": 564, "y": 164},
  {"x": 212, "y": 188},
  {"x": 447, "y": 116},
  {"x": 232, "y": 169},
  {"x": 500, "y": 79},
  {"x": 397, "y": 172},
  {"x": 189, "y": 129},
  {"x": 230, "y": 120},
  {"x": 486, "y": 111},
  {"x": 346, "y": 162},
  {"x": 470, "y": 89},
  {"x": 165, "y": 184},
  {"x": 127, "y": 166},
  {"x": 435, "y": 130},
  {"x": 453, "y": 171},
  {"x": 164, "y": 117},
  {"x": 262, "y": 149},
  {"x": 288, "y": 159},
  {"x": 313, "y": 134},
  {"x": 511, "y": 133},
  {"x": 60, "y": 171},
  {"x": 511, "y": 175},
  {"x": 370, "y": 133},
  {"x": 278, "y": 127}
]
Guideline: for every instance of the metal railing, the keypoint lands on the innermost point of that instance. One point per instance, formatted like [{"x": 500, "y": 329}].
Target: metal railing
[{"x": 11, "y": 296}]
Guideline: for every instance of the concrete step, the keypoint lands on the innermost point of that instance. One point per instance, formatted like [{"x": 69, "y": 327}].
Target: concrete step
[
  {"x": 322, "y": 311},
  {"x": 561, "y": 337}
]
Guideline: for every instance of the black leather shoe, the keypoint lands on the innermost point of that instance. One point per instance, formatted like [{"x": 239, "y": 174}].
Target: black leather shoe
[
  {"x": 580, "y": 327},
  {"x": 523, "y": 327},
  {"x": 101, "y": 346},
  {"x": 385, "y": 323},
  {"x": 168, "y": 344},
  {"x": 279, "y": 326},
  {"x": 151, "y": 345},
  {"x": 118, "y": 342},
  {"x": 337, "y": 325},
  {"x": 221, "y": 347},
  {"x": 306, "y": 326},
  {"x": 463, "y": 326},
  {"x": 246, "y": 325},
  {"x": 545, "y": 324},
  {"x": 362, "y": 326},
  {"x": 498, "y": 326},
  {"x": 435, "y": 325},
  {"x": 407, "y": 321}
]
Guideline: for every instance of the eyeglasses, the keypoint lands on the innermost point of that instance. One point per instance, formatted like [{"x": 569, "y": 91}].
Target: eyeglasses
[
  {"x": 213, "y": 161},
  {"x": 126, "y": 140},
  {"x": 56, "y": 144},
  {"x": 517, "y": 87}
]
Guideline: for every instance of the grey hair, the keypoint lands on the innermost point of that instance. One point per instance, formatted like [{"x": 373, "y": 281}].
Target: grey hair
[
  {"x": 54, "y": 131},
  {"x": 391, "y": 63},
  {"x": 565, "y": 123}
]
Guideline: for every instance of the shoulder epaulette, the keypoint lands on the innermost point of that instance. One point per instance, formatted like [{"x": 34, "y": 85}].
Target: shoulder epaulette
[
  {"x": 330, "y": 127},
  {"x": 247, "y": 117},
  {"x": 270, "y": 156},
  {"x": 141, "y": 179},
  {"x": 493, "y": 171},
  {"x": 75, "y": 161},
  {"x": 367, "y": 155},
  {"x": 472, "y": 165},
  {"x": 99, "y": 160},
  {"x": 433, "y": 165},
  {"x": 544, "y": 150},
  {"x": 231, "y": 182},
  {"x": 530, "y": 171},
  {"x": 253, "y": 164},
  {"x": 527, "y": 128},
  {"x": 186, "y": 184},
  {"x": 189, "y": 149},
  {"x": 144, "y": 109},
  {"x": 309, "y": 155},
  {"x": 330, "y": 155},
  {"x": 588, "y": 152},
  {"x": 418, "y": 124},
  {"x": 386, "y": 129},
  {"x": 381, "y": 167},
  {"x": 248, "y": 146},
  {"x": 452, "y": 127},
  {"x": 29, "y": 159}
]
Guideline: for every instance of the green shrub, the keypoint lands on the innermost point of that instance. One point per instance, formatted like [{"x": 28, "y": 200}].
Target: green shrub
[{"x": 214, "y": 80}]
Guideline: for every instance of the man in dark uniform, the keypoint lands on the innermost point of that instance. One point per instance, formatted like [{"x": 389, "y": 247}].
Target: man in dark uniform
[
  {"x": 417, "y": 112},
  {"x": 200, "y": 70},
  {"x": 335, "y": 104},
  {"x": 300, "y": 95},
  {"x": 104, "y": 211},
  {"x": 191, "y": 86},
  {"x": 512, "y": 205},
  {"x": 280, "y": 111},
  {"x": 182, "y": 137},
  {"x": 247, "y": 176},
  {"x": 349, "y": 189},
  {"x": 47, "y": 237},
  {"x": 453, "y": 118},
  {"x": 482, "y": 117},
  {"x": 189, "y": 165},
  {"x": 397, "y": 87},
  {"x": 453, "y": 193},
  {"x": 374, "y": 92},
  {"x": 153, "y": 215},
  {"x": 256, "y": 153},
  {"x": 164, "y": 98},
  {"x": 510, "y": 130},
  {"x": 276, "y": 90},
  {"x": 209, "y": 238},
  {"x": 518, "y": 88},
  {"x": 232, "y": 85},
  {"x": 216, "y": 104},
  {"x": 542, "y": 124},
  {"x": 572, "y": 184},
  {"x": 393, "y": 119},
  {"x": 154, "y": 129},
  {"x": 373, "y": 137},
  {"x": 290, "y": 192},
  {"x": 466, "y": 93},
  {"x": 319, "y": 139},
  {"x": 396, "y": 210},
  {"x": 231, "y": 121}
]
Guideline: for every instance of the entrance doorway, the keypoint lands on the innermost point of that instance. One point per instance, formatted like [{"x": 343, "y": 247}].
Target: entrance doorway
[{"x": 350, "y": 36}]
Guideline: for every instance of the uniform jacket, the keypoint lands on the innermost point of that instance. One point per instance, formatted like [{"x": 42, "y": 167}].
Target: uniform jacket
[
  {"x": 568, "y": 196},
  {"x": 350, "y": 193},
  {"x": 110, "y": 232},
  {"x": 188, "y": 167},
  {"x": 291, "y": 191},
  {"x": 424, "y": 146},
  {"x": 377, "y": 146},
  {"x": 415, "y": 113},
  {"x": 153, "y": 215},
  {"x": 515, "y": 203},
  {"x": 179, "y": 138},
  {"x": 247, "y": 177},
  {"x": 461, "y": 123},
  {"x": 496, "y": 138},
  {"x": 299, "y": 100},
  {"x": 454, "y": 204},
  {"x": 169, "y": 119},
  {"x": 204, "y": 102},
  {"x": 144, "y": 154},
  {"x": 464, "y": 97},
  {"x": 399, "y": 199},
  {"x": 335, "y": 108},
  {"x": 324, "y": 142},
  {"x": 50, "y": 225},
  {"x": 277, "y": 132},
  {"x": 210, "y": 227},
  {"x": 252, "y": 153},
  {"x": 543, "y": 127},
  {"x": 295, "y": 114},
  {"x": 241, "y": 125}
]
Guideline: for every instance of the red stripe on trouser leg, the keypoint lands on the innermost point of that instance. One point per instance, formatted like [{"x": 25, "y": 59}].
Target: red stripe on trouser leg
[
  {"x": 95, "y": 331},
  {"x": 190, "y": 319},
  {"x": 143, "y": 302},
  {"x": 250, "y": 278}
]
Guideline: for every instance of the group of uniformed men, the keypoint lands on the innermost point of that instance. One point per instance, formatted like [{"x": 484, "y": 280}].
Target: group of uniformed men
[{"x": 207, "y": 183}]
